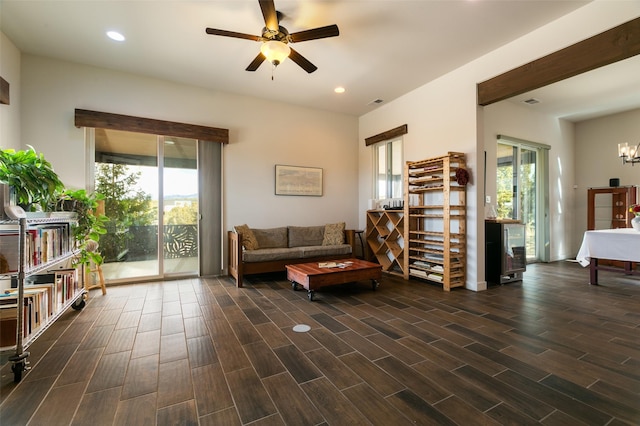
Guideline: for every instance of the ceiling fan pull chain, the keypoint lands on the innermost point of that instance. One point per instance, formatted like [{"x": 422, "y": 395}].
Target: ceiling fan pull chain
[{"x": 273, "y": 67}]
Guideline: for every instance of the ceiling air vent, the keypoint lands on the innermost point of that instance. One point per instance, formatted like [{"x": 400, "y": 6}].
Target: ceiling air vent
[
  {"x": 375, "y": 101},
  {"x": 531, "y": 101}
]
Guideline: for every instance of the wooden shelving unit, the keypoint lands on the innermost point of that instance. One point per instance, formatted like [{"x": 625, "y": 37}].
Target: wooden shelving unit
[
  {"x": 435, "y": 220},
  {"x": 385, "y": 239}
]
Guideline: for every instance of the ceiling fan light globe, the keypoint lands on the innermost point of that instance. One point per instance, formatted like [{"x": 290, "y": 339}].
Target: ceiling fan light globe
[{"x": 275, "y": 51}]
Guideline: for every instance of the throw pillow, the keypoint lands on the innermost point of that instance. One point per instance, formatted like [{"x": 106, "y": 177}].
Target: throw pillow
[
  {"x": 333, "y": 234},
  {"x": 305, "y": 236},
  {"x": 249, "y": 241},
  {"x": 271, "y": 237}
]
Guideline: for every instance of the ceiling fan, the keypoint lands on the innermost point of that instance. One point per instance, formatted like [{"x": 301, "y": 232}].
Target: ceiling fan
[{"x": 275, "y": 39}]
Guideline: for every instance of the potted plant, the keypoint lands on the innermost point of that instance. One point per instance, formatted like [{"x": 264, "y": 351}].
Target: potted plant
[
  {"x": 90, "y": 223},
  {"x": 30, "y": 177}
]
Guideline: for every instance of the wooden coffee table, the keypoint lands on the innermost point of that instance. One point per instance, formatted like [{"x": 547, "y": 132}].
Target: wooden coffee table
[{"x": 312, "y": 277}]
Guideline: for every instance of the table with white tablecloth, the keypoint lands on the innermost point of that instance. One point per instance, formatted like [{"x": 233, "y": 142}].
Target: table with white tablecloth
[{"x": 621, "y": 244}]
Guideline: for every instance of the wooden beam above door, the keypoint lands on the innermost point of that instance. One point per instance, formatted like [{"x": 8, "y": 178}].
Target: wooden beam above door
[{"x": 105, "y": 120}]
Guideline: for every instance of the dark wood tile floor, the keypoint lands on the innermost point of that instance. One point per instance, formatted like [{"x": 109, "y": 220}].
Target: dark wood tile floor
[{"x": 550, "y": 350}]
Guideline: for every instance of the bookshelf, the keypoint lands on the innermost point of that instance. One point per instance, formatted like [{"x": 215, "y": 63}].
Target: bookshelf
[
  {"x": 38, "y": 286},
  {"x": 385, "y": 238},
  {"x": 435, "y": 220}
]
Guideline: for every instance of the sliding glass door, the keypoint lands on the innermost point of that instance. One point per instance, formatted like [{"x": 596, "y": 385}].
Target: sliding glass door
[
  {"x": 151, "y": 199},
  {"x": 180, "y": 206},
  {"x": 518, "y": 190}
]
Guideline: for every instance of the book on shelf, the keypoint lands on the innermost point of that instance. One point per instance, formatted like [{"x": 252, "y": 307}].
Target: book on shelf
[
  {"x": 418, "y": 273},
  {"x": 46, "y": 242},
  {"x": 67, "y": 284},
  {"x": 68, "y": 276},
  {"x": 422, "y": 264},
  {"x": 36, "y": 307},
  {"x": 435, "y": 277},
  {"x": 47, "y": 298}
]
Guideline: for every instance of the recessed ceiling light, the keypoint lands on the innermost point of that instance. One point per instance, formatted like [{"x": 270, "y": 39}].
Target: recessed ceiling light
[
  {"x": 114, "y": 35},
  {"x": 339, "y": 89}
]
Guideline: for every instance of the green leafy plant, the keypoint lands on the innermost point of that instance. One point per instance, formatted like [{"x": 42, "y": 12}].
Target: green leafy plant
[
  {"x": 31, "y": 177},
  {"x": 90, "y": 224}
]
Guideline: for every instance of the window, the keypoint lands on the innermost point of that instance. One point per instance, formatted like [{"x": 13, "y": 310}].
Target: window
[{"x": 387, "y": 168}]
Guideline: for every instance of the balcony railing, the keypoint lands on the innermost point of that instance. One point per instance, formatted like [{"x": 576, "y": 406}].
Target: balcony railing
[{"x": 141, "y": 243}]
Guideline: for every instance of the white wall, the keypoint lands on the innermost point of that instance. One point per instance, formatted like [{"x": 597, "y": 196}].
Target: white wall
[
  {"x": 517, "y": 121},
  {"x": 597, "y": 159},
  {"x": 442, "y": 115},
  {"x": 10, "y": 114},
  {"x": 262, "y": 134},
  {"x": 434, "y": 128}
]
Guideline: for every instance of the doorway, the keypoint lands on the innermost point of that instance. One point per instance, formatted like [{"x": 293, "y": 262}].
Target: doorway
[
  {"x": 522, "y": 190},
  {"x": 150, "y": 184}
]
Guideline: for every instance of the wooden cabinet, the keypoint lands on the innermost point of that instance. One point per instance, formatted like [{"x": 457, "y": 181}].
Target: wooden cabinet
[
  {"x": 435, "y": 220},
  {"x": 385, "y": 239},
  {"x": 608, "y": 208}
]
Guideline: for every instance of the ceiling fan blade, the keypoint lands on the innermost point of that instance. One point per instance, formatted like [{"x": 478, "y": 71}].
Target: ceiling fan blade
[
  {"x": 233, "y": 34},
  {"x": 270, "y": 15},
  {"x": 316, "y": 33},
  {"x": 256, "y": 62},
  {"x": 302, "y": 61}
]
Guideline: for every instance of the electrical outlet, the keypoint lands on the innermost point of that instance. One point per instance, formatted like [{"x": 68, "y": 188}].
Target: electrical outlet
[{"x": 487, "y": 199}]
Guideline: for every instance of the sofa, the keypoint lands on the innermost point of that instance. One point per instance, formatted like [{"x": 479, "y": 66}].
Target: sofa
[{"x": 256, "y": 251}]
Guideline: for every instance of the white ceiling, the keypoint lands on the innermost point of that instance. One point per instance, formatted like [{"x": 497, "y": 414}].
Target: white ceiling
[
  {"x": 386, "y": 48},
  {"x": 607, "y": 90}
]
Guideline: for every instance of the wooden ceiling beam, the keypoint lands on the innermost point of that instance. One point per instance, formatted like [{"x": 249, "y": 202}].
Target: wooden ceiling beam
[
  {"x": 616, "y": 44},
  {"x": 385, "y": 136},
  {"x": 105, "y": 120}
]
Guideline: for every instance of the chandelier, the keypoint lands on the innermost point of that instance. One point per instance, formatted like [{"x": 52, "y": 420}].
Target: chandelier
[{"x": 629, "y": 154}]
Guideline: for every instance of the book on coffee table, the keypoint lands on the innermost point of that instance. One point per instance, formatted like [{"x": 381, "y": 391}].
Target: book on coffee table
[{"x": 334, "y": 264}]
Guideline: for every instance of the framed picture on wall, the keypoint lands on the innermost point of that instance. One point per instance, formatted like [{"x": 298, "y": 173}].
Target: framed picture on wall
[{"x": 296, "y": 180}]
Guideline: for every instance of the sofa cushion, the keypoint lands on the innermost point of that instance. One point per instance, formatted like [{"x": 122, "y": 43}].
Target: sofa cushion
[
  {"x": 316, "y": 251},
  {"x": 301, "y": 236},
  {"x": 266, "y": 255},
  {"x": 333, "y": 234},
  {"x": 249, "y": 241},
  {"x": 271, "y": 237}
]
